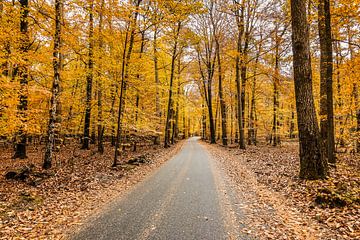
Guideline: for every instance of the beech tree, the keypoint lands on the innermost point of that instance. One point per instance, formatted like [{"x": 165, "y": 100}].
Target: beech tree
[
  {"x": 55, "y": 93},
  {"x": 22, "y": 71},
  {"x": 89, "y": 77},
  {"x": 228, "y": 80},
  {"x": 313, "y": 164},
  {"x": 326, "y": 82}
]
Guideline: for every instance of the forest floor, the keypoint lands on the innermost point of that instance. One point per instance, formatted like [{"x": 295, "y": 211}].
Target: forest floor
[
  {"x": 47, "y": 204},
  {"x": 279, "y": 205}
]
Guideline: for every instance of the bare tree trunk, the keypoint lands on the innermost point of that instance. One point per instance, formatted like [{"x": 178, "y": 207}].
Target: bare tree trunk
[
  {"x": 326, "y": 81},
  {"x": 313, "y": 164},
  {"x": 89, "y": 78},
  {"x": 51, "y": 136},
  {"x": 23, "y": 73}
]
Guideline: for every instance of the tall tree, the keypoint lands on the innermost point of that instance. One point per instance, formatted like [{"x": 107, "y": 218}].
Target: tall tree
[
  {"x": 326, "y": 80},
  {"x": 174, "y": 55},
  {"x": 313, "y": 164},
  {"x": 50, "y": 141},
  {"x": 128, "y": 48},
  {"x": 216, "y": 20},
  {"x": 89, "y": 77},
  {"x": 23, "y": 73},
  {"x": 100, "y": 124},
  {"x": 239, "y": 67}
]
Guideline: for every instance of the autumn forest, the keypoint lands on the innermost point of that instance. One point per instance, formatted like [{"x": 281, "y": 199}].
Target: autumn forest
[{"x": 97, "y": 94}]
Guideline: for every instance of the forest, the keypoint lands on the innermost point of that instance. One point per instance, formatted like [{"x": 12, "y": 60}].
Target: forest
[{"x": 95, "y": 91}]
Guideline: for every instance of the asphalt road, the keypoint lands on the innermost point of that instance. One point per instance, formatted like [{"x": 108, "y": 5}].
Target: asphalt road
[{"x": 181, "y": 200}]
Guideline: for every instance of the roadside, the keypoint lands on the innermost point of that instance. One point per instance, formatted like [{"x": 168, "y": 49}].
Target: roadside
[
  {"x": 47, "y": 204},
  {"x": 278, "y": 205}
]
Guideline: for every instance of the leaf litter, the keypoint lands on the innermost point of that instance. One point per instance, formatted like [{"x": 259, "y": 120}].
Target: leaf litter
[
  {"x": 51, "y": 204},
  {"x": 279, "y": 205}
]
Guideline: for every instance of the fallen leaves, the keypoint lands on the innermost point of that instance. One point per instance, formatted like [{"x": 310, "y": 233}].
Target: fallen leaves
[
  {"x": 78, "y": 186},
  {"x": 278, "y": 205}
]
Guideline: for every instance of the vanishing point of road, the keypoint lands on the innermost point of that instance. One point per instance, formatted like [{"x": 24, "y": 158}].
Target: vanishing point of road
[{"x": 186, "y": 198}]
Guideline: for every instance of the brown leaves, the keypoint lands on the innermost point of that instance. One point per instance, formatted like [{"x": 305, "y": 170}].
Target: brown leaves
[
  {"x": 279, "y": 205},
  {"x": 67, "y": 194}
]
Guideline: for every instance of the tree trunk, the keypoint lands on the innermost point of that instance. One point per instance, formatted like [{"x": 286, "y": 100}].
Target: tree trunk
[
  {"x": 313, "y": 164},
  {"x": 157, "y": 80},
  {"x": 89, "y": 79},
  {"x": 326, "y": 81},
  {"x": 175, "y": 132},
  {"x": 238, "y": 76},
  {"x": 292, "y": 124},
  {"x": 276, "y": 83},
  {"x": 51, "y": 136},
  {"x": 170, "y": 100},
  {"x": 210, "y": 110},
  {"x": 243, "y": 64},
  {"x": 138, "y": 77},
  {"x": 23, "y": 73},
  {"x": 339, "y": 104},
  {"x": 221, "y": 99},
  {"x": 251, "y": 131},
  {"x": 114, "y": 93},
  {"x": 124, "y": 79},
  {"x": 100, "y": 124}
]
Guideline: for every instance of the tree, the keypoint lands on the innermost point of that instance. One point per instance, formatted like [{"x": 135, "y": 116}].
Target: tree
[
  {"x": 23, "y": 73},
  {"x": 50, "y": 144},
  {"x": 239, "y": 67},
  {"x": 313, "y": 164},
  {"x": 128, "y": 48},
  {"x": 326, "y": 81},
  {"x": 100, "y": 124},
  {"x": 169, "y": 115},
  {"x": 89, "y": 78}
]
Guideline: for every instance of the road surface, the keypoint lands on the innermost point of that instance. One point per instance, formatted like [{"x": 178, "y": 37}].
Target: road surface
[{"x": 182, "y": 200}]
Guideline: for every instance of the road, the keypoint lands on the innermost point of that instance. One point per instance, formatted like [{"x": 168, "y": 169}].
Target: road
[{"x": 183, "y": 199}]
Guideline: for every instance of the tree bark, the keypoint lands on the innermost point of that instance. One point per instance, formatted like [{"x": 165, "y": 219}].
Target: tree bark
[
  {"x": 239, "y": 14},
  {"x": 276, "y": 82},
  {"x": 157, "y": 80},
  {"x": 221, "y": 99},
  {"x": 23, "y": 73},
  {"x": 100, "y": 124},
  {"x": 326, "y": 80},
  {"x": 89, "y": 78},
  {"x": 170, "y": 100},
  {"x": 313, "y": 164},
  {"x": 51, "y": 136},
  {"x": 124, "y": 79}
]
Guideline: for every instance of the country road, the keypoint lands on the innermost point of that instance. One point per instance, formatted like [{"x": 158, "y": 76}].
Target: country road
[{"x": 184, "y": 199}]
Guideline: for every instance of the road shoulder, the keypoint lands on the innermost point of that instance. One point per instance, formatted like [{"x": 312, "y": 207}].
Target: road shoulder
[{"x": 266, "y": 214}]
